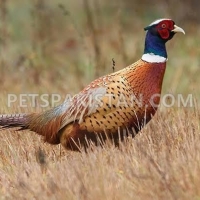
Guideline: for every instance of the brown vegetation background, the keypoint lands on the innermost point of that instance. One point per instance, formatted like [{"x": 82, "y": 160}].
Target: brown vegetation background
[{"x": 58, "y": 47}]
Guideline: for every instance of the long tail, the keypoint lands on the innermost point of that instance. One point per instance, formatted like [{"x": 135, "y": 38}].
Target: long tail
[{"x": 46, "y": 124}]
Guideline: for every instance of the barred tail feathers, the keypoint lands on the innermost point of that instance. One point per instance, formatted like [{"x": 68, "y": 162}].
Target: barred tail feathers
[
  {"x": 45, "y": 124},
  {"x": 13, "y": 120}
]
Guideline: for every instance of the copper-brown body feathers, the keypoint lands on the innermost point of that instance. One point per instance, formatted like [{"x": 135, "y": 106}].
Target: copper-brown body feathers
[{"x": 109, "y": 105}]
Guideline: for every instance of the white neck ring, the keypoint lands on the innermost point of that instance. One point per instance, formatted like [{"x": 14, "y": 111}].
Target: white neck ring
[{"x": 152, "y": 58}]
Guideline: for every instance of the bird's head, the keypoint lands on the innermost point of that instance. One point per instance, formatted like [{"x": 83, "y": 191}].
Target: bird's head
[
  {"x": 164, "y": 29},
  {"x": 158, "y": 33}
]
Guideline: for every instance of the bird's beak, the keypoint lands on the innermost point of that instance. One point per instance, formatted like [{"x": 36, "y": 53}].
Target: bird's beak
[{"x": 178, "y": 29}]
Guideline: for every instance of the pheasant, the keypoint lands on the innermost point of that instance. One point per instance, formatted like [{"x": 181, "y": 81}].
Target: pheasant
[{"x": 111, "y": 106}]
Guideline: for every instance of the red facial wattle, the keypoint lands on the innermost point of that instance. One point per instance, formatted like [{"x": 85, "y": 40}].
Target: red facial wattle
[
  {"x": 164, "y": 28},
  {"x": 164, "y": 33}
]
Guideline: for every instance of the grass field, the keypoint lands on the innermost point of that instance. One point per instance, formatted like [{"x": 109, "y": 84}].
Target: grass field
[{"x": 55, "y": 48}]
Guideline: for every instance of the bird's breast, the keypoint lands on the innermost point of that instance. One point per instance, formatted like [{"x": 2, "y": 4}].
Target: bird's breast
[{"x": 146, "y": 81}]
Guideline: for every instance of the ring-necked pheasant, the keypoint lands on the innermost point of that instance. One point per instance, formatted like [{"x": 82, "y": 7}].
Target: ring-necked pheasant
[{"x": 124, "y": 100}]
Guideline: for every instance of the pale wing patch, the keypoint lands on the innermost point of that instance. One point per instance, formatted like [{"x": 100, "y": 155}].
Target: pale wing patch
[{"x": 83, "y": 104}]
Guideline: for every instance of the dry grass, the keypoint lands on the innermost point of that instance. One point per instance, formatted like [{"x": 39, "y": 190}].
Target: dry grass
[
  {"x": 162, "y": 162},
  {"x": 54, "y": 52}
]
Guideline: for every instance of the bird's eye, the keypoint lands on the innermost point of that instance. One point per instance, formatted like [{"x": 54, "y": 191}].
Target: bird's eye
[{"x": 163, "y": 25}]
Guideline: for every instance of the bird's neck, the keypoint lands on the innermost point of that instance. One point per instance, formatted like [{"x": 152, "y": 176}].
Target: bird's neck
[{"x": 155, "y": 50}]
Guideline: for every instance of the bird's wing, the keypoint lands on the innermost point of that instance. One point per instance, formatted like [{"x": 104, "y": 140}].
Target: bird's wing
[
  {"x": 97, "y": 97},
  {"x": 83, "y": 104},
  {"x": 86, "y": 102}
]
